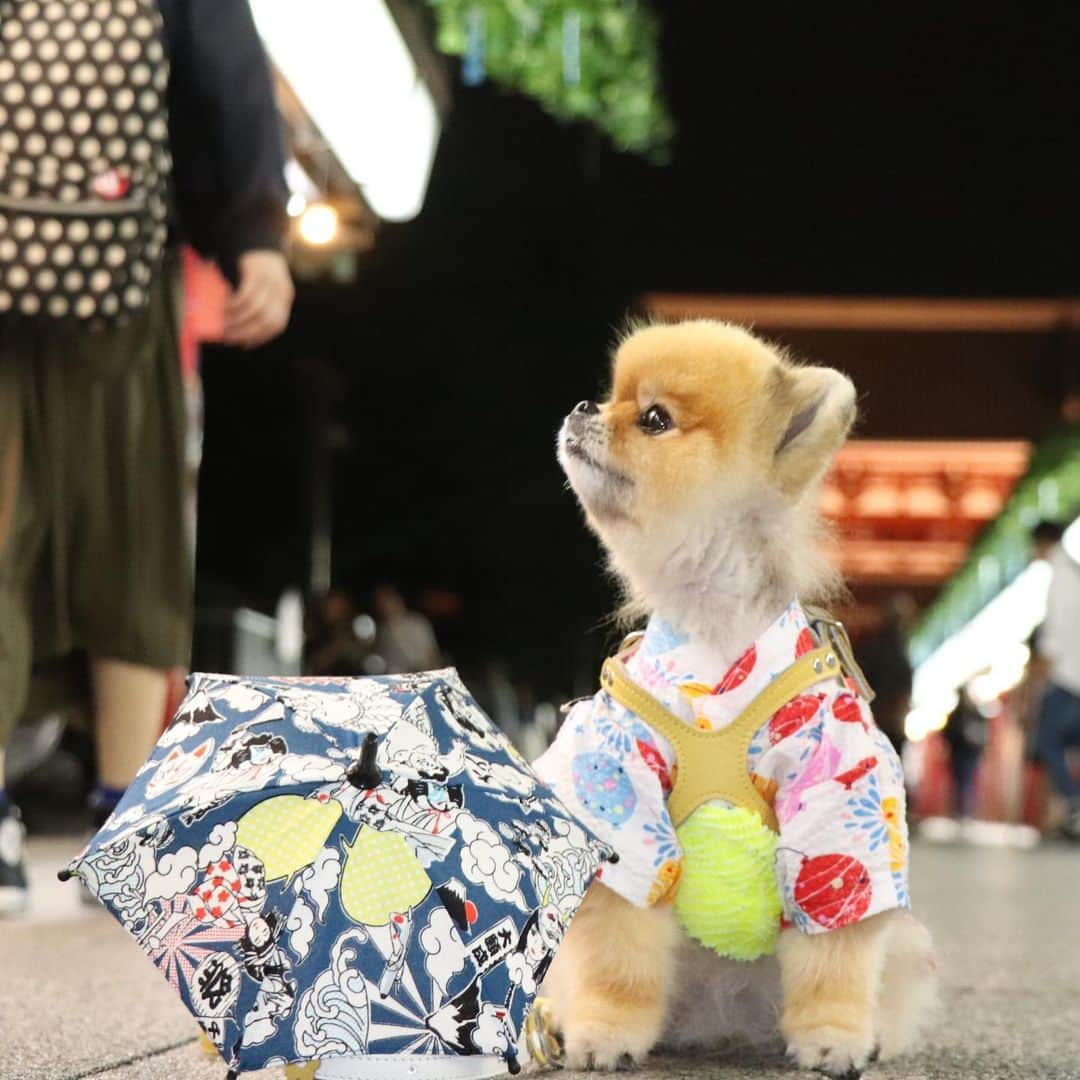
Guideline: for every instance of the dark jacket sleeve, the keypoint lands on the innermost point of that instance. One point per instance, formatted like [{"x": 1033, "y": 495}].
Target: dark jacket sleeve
[{"x": 225, "y": 131}]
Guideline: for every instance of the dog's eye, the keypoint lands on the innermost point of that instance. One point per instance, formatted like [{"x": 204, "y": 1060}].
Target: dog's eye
[{"x": 655, "y": 420}]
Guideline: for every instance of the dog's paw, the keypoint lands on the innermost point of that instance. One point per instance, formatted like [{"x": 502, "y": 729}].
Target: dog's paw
[
  {"x": 613, "y": 1047},
  {"x": 834, "y": 1051}
]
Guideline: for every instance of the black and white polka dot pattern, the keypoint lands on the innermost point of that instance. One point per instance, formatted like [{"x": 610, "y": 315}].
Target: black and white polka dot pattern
[{"x": 84, "y": 158}]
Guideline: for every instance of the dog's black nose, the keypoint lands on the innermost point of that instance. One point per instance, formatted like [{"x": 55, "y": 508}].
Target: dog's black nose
[{"x": 589, "y": 408}]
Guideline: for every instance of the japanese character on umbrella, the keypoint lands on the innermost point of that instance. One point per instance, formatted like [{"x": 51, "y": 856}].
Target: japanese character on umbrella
[{"x": 335, "y": 869}]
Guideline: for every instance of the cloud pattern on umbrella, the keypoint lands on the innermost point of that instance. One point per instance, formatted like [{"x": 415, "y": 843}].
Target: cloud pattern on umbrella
[{"x": 340, "y": 867}]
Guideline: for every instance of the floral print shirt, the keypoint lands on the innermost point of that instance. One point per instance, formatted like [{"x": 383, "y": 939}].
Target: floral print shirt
[{"x": 831, "y": 774}]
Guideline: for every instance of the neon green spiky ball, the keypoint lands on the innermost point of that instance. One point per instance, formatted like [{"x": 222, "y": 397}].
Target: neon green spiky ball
[{"x": 727, "y": 898}]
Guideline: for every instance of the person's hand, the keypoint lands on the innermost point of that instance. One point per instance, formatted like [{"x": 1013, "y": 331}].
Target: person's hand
[{"x": 259, "y": 308}]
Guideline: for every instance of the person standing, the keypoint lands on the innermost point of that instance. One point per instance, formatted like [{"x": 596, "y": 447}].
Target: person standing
[
  {"x": 332, "y": 647},
  {"x": 1057, "y": 645},
  {"x": 126, "y": 126},
  {"x": 404, "y": 639},
  {"x": 966, "y": 735},
  {"x": 884, "y": 660}
]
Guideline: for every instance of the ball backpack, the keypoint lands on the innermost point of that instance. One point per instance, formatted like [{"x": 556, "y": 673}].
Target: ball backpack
[{"x": 84, "y": 158}]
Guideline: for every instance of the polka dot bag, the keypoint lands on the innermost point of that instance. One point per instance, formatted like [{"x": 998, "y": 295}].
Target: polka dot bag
[{"x": 84, "y": 157}]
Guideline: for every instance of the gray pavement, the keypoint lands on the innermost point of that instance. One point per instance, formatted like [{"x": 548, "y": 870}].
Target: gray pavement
[{"x": 78, "y": 1000}]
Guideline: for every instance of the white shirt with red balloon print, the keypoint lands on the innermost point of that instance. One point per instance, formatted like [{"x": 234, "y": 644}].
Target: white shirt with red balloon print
[{"x": 835, "y": 781}]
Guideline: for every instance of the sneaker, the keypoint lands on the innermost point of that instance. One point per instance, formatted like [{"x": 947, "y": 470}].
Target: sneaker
[{"x": 13, "y": 892}]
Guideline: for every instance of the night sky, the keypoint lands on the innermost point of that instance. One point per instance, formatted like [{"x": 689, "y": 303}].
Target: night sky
[{"x": 899, "y": 156}]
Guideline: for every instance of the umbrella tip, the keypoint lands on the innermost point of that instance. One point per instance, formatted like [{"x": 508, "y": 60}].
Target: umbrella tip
[
  {"x": 65, "y": 874},
  {"x": 365, "y": 774},
  {"x": 512, "y": 1063}
]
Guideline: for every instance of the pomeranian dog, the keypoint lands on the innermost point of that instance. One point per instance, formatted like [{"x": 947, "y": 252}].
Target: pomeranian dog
[{"x": 700, "y": 477}]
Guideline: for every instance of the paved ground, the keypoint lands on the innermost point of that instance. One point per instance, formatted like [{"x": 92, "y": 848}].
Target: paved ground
[{"x": 77, "y": 1000}]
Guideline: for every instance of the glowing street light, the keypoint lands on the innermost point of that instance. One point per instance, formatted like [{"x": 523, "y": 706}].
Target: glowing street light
[
  {"x": 319, "y": 224},
  {"x": 352, "y": 71}
]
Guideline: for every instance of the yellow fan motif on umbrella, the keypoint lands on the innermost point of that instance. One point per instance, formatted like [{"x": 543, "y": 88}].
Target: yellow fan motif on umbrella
[
  {"x": 287, "y": 832},
  {"x": 382, "y": 877}
]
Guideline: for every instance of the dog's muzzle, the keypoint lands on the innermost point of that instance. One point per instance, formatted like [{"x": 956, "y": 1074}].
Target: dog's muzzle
[{"x": 581, "y": 419}]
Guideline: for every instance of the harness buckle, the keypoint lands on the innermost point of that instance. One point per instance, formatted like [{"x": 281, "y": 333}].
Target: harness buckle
[{"x": 831, "y": 631}]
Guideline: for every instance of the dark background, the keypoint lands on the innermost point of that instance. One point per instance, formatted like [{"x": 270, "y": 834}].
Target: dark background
[{"x": 906, "y": 154}]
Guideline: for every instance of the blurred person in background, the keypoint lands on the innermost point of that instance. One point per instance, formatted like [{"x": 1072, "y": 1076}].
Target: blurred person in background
[
  {"x": 404, "y": 639},
  {"x": 1057, "y": 648},
  {"x": 165, "y": 130},
  {"x": 966, "y": 734},
  {"x": 884, "y": 660},
  {"x": 1029, "y": 699},
  {"x": 332, "y": 646}
]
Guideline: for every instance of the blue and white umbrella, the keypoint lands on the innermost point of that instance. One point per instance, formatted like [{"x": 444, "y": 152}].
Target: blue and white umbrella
[{"x": 328, "y": 868}]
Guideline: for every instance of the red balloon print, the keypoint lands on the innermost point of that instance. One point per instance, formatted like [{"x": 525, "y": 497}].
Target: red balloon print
[
  {"x": 805, "y": 644},
  {"x": 737, "y": 673},
  {"x": 655, "y": 761},
  {"x": 848, "y": 709},
  {"x": 788, "y": 719},
  {"x": 834, "y": 890}
]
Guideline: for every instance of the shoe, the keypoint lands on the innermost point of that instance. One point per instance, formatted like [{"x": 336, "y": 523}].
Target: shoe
[
  {"x": 1071, "y": 829},
  {"x": 13, "y": 891}
]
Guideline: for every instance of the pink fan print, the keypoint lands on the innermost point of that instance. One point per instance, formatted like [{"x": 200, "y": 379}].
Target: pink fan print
[{"x": 822, "y": 767}]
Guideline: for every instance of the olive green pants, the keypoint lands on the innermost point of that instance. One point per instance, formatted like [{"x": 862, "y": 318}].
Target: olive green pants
[{"x": 94, "y": 553}]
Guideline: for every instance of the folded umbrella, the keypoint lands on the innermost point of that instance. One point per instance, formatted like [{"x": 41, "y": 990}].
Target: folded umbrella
[{"x": 357, "y": 871}]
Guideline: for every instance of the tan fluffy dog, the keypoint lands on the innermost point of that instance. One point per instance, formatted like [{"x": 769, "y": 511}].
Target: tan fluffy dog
[{"x": 699, "y": 475}]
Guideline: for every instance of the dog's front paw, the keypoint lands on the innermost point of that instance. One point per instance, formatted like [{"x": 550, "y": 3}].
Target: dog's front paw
[
  {"x": 608, "y": 1043},
  {"x": 835, "y": 1051}
]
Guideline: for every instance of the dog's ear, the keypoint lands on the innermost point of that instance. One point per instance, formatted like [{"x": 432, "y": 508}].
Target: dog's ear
[{"x": 814, "y": 409}]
